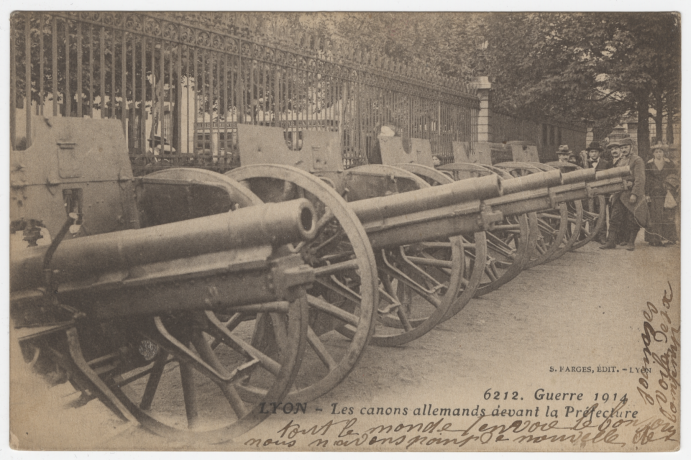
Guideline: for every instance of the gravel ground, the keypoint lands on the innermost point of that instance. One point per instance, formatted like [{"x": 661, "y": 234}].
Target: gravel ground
[{"x": 582, "y": 310}]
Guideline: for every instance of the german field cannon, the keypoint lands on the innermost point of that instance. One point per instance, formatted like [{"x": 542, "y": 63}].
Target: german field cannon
[
  {"x": 594, "y": 209},
  {"x": 344, "y": 301},
  {"x": 565, "y": 221},
  {"x": 128, "y": 288},
  {"x": 547, "y": 227},
  {"x": 564, "y": 228},
  {"x": 396, "y": 217},
  {"x": 593, "y": 215},
  {"x": 509, "y": 243}
]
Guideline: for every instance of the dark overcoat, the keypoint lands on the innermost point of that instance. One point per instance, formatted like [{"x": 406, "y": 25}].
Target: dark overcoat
[{"x": 639, "y": 209}]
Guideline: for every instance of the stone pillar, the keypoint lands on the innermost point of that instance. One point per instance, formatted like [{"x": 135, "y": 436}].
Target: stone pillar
[{"x": 483, "y": 87}]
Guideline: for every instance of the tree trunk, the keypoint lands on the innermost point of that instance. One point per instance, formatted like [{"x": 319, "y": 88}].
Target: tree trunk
[
  {"x": 659, "y": 107},
  {"x": 643, "y": 136},
  {"x": 670, "y": 123}
]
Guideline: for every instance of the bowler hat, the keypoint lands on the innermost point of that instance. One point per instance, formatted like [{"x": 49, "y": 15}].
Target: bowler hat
[
  {"x": 563, "y": 150},
  {"x": 595, "y": 146}
]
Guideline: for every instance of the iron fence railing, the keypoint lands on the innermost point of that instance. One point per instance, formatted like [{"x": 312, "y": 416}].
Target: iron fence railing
[{"x": 179, "y": 90}]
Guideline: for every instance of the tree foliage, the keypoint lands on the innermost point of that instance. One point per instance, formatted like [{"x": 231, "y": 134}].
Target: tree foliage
[{"x": 570, "y": 67}]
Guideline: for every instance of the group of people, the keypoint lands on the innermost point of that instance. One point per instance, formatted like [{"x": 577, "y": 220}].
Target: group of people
[{"x": 651, "y": 200}]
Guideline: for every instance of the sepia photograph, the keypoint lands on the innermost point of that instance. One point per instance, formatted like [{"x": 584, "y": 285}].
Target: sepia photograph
[{"x": 352, "y": 231}]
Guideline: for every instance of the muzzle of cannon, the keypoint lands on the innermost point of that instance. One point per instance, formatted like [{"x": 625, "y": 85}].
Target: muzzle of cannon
[
  {"x": 395, "y": 220},
  {"x": 126, "y": 313},
  {"x": 88, "y": 258},
  {"x": 547, "y": 198}
]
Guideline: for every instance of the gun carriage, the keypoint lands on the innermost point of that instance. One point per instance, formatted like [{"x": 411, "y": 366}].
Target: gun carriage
[
  {"x": 144, "y": 290},
  {"x": 548, "y": 226},
  {"x": 594, "y": 209},
  {"x": 401, "y": 215},
  {"x": 124, "y": 283},
  {"x": 509, "y": 243}
]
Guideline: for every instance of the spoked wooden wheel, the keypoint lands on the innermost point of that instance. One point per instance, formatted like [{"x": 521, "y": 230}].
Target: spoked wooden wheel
[
  {"x": 193, "y": 364},
  {"x": 573, "y": 230},
  {"x": 552, "y": 225},
  {"x": 594, "y": 210},
  {"x": 594, "y": 220},
  {"x": 509, "y": 243},
  {"x": 418, "y": 283},
  {"x": 346, "y": 287},
  {"x": 189, "y": 389},
  {"x": 575, "y": 215}
]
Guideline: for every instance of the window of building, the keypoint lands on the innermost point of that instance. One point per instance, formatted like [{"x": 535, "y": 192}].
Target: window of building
[{"x": 203, "y": 141}]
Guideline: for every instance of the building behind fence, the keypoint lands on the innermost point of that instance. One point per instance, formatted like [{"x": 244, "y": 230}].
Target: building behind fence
[
  {"x": 547, "y": 136},
  {"x": 180, "y": 90}
]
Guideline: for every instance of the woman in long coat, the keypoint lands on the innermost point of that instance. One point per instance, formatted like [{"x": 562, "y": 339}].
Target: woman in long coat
[{"x": 661, "y": 176}]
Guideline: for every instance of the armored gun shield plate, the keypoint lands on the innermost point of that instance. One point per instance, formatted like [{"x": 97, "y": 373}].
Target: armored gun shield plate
[
  {"x": 480, "y": 153},
  {"x": 523, "y": 152},
  {"x": 312, "y": 151},
  {"x": 395, "y": 150}
]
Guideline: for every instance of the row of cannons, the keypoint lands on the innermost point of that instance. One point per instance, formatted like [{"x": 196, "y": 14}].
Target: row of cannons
[{"x": 185, "y": 299}]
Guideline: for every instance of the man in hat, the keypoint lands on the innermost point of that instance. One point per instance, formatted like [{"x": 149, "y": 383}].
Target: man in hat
[
  {"x": 629, "y": 209},
  {"x": 595, "y": 159},
  {"x": 563, "y": 153},
  {"x": 629, "y": 234}
]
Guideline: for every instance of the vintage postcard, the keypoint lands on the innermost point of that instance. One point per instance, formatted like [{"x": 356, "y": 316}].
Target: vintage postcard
[{"x": 361, "y": 232}]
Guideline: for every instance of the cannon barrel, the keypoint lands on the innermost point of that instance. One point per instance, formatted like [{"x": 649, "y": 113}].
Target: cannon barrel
[
  {"x": 472, "y": 215},
  {"x": 581, "y": 175},
  {"x": 547, "y": 198},
  {"x": 621, "y": 171},
  {"x": 532, "y": 181},
  {"x": 79, "y": 258},
  {"x": 374, "y": 209}
]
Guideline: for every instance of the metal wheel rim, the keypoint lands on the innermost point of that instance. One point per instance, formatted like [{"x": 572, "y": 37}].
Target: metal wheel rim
[
  {"x": 588, "y": 218},
  {"x": 527, "y": 226},
  {"x": 365, "y": 266},
  {"x": 293, "y": 346},
  {"x": 422, "y": 325}
]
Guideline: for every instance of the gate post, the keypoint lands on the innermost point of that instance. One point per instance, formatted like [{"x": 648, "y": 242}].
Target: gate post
[{"x": 483, "y": 86}]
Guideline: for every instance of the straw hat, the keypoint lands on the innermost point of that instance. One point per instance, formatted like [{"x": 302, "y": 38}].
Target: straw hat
[{"x": 659, "y": 145}]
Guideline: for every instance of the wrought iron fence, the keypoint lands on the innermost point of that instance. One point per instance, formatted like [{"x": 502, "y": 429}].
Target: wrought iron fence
[{"x": 180, "y": 90}]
